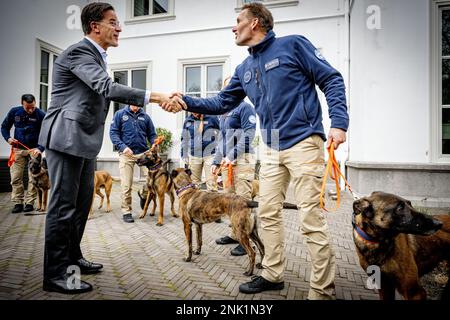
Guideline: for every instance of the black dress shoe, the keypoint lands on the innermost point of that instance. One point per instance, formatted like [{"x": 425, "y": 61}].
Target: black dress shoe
[
  {"x": 238, "y": 251},
  {"x": 87, "y": 267},
  {"x": 61, "y": 286},
  {"x": 17, "y": 208},
  {"x": 128, "y": 218},
  {"x": 226, "y": 240},
  {"x": 259, "y": 284},
  {"x": 28, "y": 208}
]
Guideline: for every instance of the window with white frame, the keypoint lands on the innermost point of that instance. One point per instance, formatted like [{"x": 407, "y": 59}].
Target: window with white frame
[
  {"x": 47, "y": 58},
  {"x": 148, "y": 10},
  {"x": 444, "y": 80},
  {"x": 203, "y": 80},
  {"x": 136, "y": 78},
  {"x": 269, "y": 3}
]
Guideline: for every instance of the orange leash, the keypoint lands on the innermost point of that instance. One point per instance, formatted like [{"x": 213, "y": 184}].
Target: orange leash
[
  {"x": 334, "y": 172},
  {"x": 12, "y": 155},
  {"x": 230, "y": 181}
]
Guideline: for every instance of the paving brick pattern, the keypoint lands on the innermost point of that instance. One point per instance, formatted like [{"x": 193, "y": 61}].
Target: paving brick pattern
[{"x": 144, "y": 261}]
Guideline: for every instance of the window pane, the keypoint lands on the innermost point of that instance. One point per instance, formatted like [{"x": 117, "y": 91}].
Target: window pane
[
  {"x": 139, "y": 79},
  {"x": 141, "y": 8},
  {"x": 446, "y": 32},
  {"x": 446, "y": 131},
  {"x": 193, "y": 79},
  {"x": 122, "y": 78},
  {"x": 160, "y": 6},
  {"x": 214, "y": 78},
  {"x": 43, "y": 96},
  {"x": 45, "y": 56},
  {"x": 446, "y": 82}
]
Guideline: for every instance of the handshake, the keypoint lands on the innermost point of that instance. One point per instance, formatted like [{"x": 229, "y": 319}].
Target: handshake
[{"x": 171, "y": 103}]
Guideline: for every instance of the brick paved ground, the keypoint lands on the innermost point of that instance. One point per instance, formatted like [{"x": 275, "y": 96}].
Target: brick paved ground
[{"x": 143, "y": 261}]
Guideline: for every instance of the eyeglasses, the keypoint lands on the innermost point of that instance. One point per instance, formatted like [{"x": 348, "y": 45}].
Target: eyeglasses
[{"x": 113, "y": 24}]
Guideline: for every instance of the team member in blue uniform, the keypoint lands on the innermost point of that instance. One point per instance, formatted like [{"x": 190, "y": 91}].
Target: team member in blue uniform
[
  {"x": 198, "y": 145},
  {"x": 130, "y": 130},
  {"x": 237, "y": 132},
  {"x": 279, "y": 76},
  {"x": 27, "y": 121}
]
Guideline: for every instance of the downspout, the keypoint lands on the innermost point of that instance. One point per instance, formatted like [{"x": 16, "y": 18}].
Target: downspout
[{"x": 348, "y": 9}]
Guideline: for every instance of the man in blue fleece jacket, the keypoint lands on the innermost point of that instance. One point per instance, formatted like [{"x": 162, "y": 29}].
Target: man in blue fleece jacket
[
  {"x": 279, "y": 76},
  {"x": 131, "y": 131}
]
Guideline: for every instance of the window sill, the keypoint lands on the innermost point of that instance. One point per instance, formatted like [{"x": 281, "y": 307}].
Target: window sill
[
  {"x": 274, "y": 4},
  {"x": 146, "y": 19}
]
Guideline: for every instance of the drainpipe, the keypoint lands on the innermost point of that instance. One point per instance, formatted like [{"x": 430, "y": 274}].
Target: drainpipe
[{"x": 348, "y": 4}]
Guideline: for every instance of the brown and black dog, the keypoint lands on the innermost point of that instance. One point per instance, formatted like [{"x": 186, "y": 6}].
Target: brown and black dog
[
  {"x": 102, "y": 179},
  {"x": 38, "y": 173},
  {"x": 404, "y": 243},
  {"x": 159, "y": 182},
  {"x": 200, "y": 207}
]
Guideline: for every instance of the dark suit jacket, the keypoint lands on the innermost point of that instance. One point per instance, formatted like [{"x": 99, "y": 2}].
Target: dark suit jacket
[{"x": 81, "y": 95}]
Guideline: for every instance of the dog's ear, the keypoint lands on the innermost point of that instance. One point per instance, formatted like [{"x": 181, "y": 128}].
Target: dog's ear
[
  {"x": 174, "y": 173},
  {"x": 44, "y": 163},
  {"x": 39, "y": 157},
  {"x": 363, "y": 206},
  {"x": 188, "y": 171}
]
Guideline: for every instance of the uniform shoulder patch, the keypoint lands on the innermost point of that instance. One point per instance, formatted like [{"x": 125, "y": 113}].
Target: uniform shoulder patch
[
  {"x": 125, "y": 117},
  {"x": 247, "y": 76},
  {"x": 252, "y": 119}
]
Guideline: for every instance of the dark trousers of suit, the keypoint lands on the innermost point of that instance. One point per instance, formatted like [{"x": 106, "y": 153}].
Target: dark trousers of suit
[{"x": 72, "y": 180}]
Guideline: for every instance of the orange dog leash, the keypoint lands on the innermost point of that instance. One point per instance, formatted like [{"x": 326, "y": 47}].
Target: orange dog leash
[
  {"x": 334, "y": 172},
  {"x": 12, "y": 155}
]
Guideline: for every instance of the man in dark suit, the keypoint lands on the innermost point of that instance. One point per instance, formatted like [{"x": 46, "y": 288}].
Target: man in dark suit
[{"x": 72, "y": 133}]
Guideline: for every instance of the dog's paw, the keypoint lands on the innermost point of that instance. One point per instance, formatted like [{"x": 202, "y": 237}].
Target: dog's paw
[
  {"x": 197, "y": 252},
  {"x": 142, "y": 216},
  {"x": 187, "y": 259},
  {"x": 175, "y": 215},
  {"x": 152, "y": 214},
  {"x": 259, "y": 266},
  {"x": 248, "y": 273},
  {"x": 160, "y": 224}
]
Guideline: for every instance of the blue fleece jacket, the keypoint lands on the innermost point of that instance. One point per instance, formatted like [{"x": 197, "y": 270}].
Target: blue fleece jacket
[
  {"x": 279, "y": 77},
  {"x": 237, "y": 132},
  {"x": 27, "y": 126},
  {"x": 199, "y": 144},
  {"x": 132, "y": 130}
]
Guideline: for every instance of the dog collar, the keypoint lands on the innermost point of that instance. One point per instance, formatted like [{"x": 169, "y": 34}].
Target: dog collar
[
  {"x": 361, "y": 232},
  {"x": 178, "y": 191},
  {"x": 154, "y": 168}
]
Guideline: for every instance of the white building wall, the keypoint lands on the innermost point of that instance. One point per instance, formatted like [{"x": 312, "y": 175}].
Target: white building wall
[
  {"x": 22, "y": 23},
  {"x": 390, "y": 83}
]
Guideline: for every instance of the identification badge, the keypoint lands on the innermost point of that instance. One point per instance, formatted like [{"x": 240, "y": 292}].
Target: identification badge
[{"x": 272, "y": 64}]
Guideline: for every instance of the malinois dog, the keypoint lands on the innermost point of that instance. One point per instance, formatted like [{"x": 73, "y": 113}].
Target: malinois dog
[
  {"x": 102, "y": 179},
  {"x": 159, "y": 182},
  {"x": 38, "y": 173},
  {"x": 404, "y": 243},
  {"x": 200, "y": 207}
]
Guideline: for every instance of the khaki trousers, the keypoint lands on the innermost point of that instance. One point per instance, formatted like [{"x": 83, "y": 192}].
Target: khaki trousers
[
  {"x": 243, "y": 175},
  {"x": 126, "y": 169},
  {"x": 303, "y": 166},
  {"x": 16, "y": 171},
  {"x": 197, "y": 166}
]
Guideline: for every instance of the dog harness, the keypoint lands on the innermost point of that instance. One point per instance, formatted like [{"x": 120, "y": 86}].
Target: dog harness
[
  {"x": 156, "y": 167},
  {"x": 192, "y": 185},
  {"x": 361, "y": 232}
]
